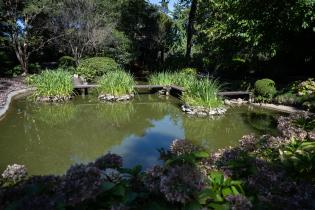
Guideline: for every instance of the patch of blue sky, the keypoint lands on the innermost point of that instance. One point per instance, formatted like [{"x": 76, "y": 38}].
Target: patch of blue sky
[{"x": 171, "y": 4}]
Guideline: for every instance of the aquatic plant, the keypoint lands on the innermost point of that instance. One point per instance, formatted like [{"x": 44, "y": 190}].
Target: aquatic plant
[
  {"x": 203, "y": 93},
  {"x": 116, "y": 83},
  {"x": 52, "y": 83}
]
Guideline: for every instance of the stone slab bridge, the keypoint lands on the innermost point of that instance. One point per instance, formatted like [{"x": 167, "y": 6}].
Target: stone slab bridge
[{"x": 170, "y": 89}]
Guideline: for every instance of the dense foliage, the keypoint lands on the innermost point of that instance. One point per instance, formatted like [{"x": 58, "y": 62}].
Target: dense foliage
[
  {"x": 52, "y": 83},
  {"x": 203, "y": 93},
  {"x": 116, "y": 83},
  {"x": 265, "y": 89},
  {"x": 91, "y": 68}
]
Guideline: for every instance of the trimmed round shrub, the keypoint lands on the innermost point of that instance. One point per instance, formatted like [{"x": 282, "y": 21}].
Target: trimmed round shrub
[
  {"x": 91, "y": 68},
  {"x": 265, "y": 89},
  {"x": 66, "y": 61}
]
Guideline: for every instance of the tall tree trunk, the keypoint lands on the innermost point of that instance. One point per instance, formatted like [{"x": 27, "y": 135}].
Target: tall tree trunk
[{"x": 191, "y": 28}]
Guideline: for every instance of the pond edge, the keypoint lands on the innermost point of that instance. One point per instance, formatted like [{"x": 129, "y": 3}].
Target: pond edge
[{"x": 10, "y": 97}]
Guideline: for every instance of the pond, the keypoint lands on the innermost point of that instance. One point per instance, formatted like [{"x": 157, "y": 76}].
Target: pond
[{"x": 49, "y": 138}]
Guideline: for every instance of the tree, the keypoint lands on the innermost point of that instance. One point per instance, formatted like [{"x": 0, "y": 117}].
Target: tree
[
  {"x": 191, "y": 28},
  {"x": 20, "y": 28},
  {"x": 86, "y": 26},
  {"x": 257, "y": 33}
]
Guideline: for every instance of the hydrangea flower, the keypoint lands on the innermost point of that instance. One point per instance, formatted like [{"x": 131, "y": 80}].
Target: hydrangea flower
[
  {"x": 109, "y": 161},
  {"x": 181, "y": 147},
  {"x": 181, "y": 183}
]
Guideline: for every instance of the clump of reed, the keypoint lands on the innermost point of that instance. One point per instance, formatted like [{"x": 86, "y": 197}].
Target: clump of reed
[
  {"x": 198, "y": 92},
  {"x": 203, "y": 93},
  {"x": 172, "y": 78},
  {"x": 116, "y": 83},
  {"x": 52, "y": 83}
]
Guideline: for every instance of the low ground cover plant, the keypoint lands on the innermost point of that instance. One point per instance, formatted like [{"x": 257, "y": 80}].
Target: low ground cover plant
[
  {"x": 117, "y": 83},
  {"x": 52, "y": 83},
  {"x": 299, "y": 93}
]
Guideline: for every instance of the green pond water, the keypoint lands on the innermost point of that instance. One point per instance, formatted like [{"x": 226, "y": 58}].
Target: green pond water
[{"x": 49, "y": 138}]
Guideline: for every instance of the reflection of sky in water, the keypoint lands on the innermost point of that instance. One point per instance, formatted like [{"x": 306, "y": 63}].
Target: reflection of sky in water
[
  {"x": 48, "y": 139},
  {"x": 144, "y": 149}
]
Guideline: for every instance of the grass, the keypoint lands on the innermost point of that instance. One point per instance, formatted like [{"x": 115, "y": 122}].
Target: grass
[
  {"x": 172, "y": 78},
  {"x": 203, "y": 93},
  {"x": 197, "y": 92},
  {"x": 52, "y": 83},
  {"x": 162, "y": 78},
  {"x": 116, "y": 83}
]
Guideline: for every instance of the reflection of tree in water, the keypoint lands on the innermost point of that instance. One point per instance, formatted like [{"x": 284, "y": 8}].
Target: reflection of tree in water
[
  {"x": 54, "y": 114},
  {"x": 229, "y": 128},
  {"x": 162, "y": 109},
  {"x": 261, "y": 121},
  {"x": 212, "y": 133},
  {"x": 115, "y": 113}
]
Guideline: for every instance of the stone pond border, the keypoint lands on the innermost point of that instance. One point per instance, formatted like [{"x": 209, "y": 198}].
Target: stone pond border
[
  {"x": 276, "y": 107},
  {"x": 10, "y": 97}
]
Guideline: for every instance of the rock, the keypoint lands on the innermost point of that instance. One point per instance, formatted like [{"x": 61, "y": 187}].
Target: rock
[
  {"x": 227, "y": 102},
  {"x": 112, "y": 98},
  {"x": 202, "y": 111},
  {"x": 15, "y": 173},
  {"x": 51, "y": 99}
]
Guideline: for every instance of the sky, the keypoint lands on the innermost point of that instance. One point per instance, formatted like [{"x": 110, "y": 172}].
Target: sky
[{"x": 171, "y": 4}]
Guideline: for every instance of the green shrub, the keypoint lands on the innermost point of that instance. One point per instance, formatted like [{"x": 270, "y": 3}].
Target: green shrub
[
  {"x": 67, "y": 61},
  {"x": 189, "y": 71},
  {"x": 91, "y": 68},
  {"x": 265, "y": 89},
  {"x": 52, "y": 83},
  {"x": 203, "y": 93},
  {"x": 116, "y": 83}
]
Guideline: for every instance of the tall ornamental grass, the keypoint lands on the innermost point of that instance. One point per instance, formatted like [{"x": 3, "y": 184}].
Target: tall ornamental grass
[
  {"x": 203, "y": 93},
  {"x": 116, "y": 83},
  {"x": 172, "y": 78},
  {"x": 52, "y": 83},
  {"x": 162, "y": 78}
]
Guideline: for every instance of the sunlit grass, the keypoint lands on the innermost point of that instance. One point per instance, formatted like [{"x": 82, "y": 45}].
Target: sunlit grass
[
  {"x": 116, "y": 83},
  {"x": 171, "y": 78},
  {"x": 203, "y": 93},
  {"x": 52, "y": 83}
]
